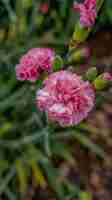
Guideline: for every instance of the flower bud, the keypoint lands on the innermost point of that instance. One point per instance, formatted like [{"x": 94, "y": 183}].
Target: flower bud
[
  {"x": 26, "y": 3},
  {"x": 79, "y": 55},
  {"x": 44, "y": 8},
  {"x": 103, "y": 81},
  {"x": 81, "y": 33},
  {"x": 91, "y": 74}
]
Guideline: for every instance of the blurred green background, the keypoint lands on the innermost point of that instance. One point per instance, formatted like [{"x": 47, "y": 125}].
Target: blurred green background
[{"x": 27, "y": 169}]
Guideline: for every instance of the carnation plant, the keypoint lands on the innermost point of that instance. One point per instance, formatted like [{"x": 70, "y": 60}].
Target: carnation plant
[{"x": 64, "y": 101}]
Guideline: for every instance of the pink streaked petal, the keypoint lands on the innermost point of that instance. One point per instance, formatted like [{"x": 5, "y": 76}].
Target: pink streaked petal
[
  {"x": 87, "y": 12},
  {"x": 90, "y": 4},
  {"x": 20, "y": 73},
  {"x": 61, "y": 114},
  {"x": 78, "y": 117}
]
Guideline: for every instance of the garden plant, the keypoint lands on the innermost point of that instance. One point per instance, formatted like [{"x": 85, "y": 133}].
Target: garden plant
[{"x": 47, "y": 106}]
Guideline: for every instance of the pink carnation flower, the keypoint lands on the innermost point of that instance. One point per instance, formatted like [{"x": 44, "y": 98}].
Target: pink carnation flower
[
  {"x": 33, "y": 63},
  {"x": 66, "y": 98},
  {"x": 87, "y": 12}
]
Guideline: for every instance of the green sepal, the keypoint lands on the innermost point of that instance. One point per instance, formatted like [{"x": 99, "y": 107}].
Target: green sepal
[
  {"x": 81, "y": 33},
  {"x": 57, "y": 63},
  {"x": 91, "y": 74}
]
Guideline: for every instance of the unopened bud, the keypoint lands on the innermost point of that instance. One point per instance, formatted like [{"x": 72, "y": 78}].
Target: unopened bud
[
  {"x": 79, "y": 55},
  {"x": 103, "y": 81},
  {"x": 91, "y": 74},
  {"x": 81, "y": 33}
]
